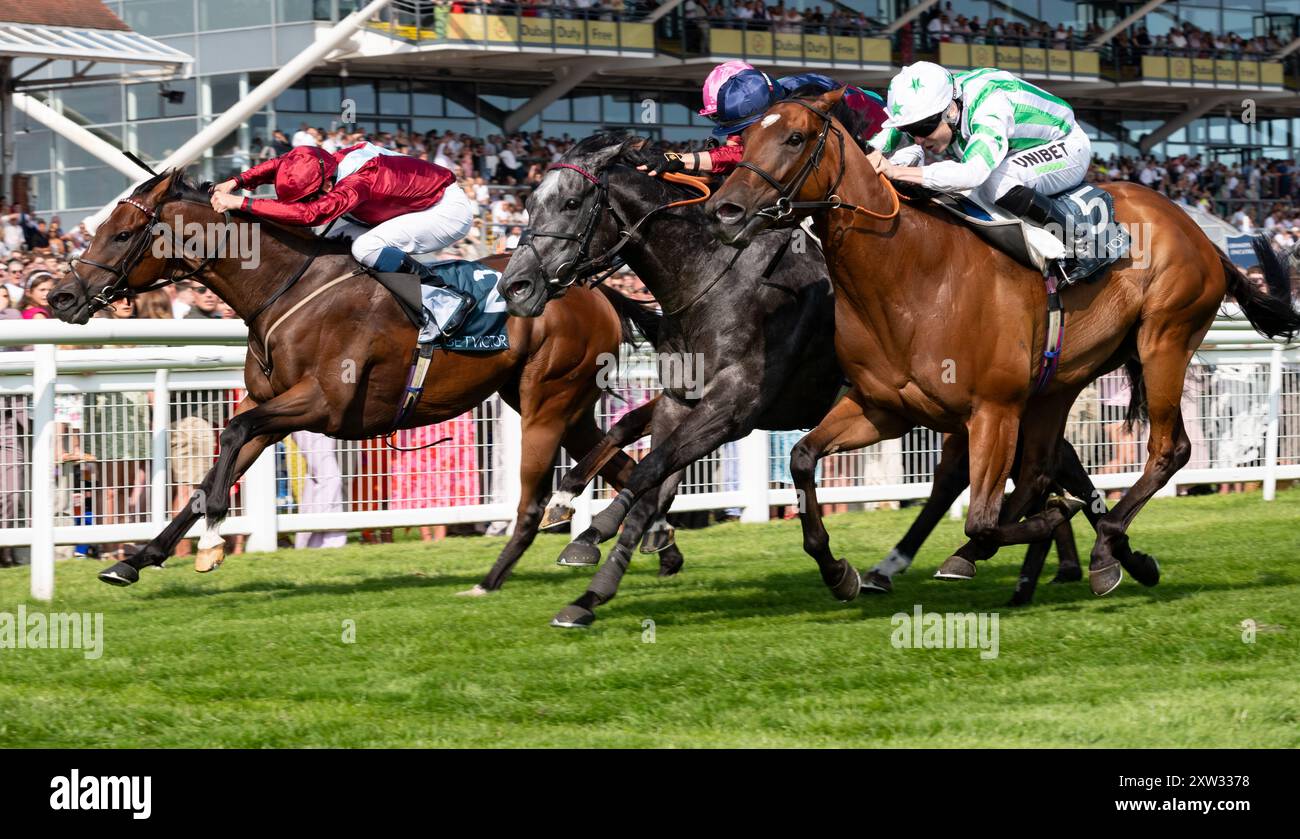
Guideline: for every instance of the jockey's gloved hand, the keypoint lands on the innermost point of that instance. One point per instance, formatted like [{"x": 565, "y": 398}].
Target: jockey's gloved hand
[{"x": 656, "y": 164}]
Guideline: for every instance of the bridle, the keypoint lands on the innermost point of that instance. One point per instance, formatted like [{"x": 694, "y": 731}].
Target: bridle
[
  {"x": 583, "y": 267},
  {"x": 785, "y": 207},
  {"x": 120, "y": 286}
]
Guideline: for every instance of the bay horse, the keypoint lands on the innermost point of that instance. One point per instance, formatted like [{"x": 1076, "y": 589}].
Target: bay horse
[
  {"x": 935, "y": 327},
  {"x": 766, "y": 363},
  {"x": 339, "y": 357}
]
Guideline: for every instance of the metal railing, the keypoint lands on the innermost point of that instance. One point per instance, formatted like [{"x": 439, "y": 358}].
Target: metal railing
[{"x": 115, "y": 465}]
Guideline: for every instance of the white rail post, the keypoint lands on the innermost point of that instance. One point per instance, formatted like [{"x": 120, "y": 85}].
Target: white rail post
[
  {"x": 44, "y": 376},
  {"x": 512, "y": 453},
  {"x": 1274, "y": 425},
  {"x": 753, "y": 452},
  {"x": 158, "y": 497},
  {"x": 259, "y": 503}
]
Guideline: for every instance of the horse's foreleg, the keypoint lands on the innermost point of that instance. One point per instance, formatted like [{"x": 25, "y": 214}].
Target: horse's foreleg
[
  {"x": 541, "y": 442},
  {"x": 628, "y": 429},
  {"x": 951, "y": 476},
  {"x": 851, "y": 424}
]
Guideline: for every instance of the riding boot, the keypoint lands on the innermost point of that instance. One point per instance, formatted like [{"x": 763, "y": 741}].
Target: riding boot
[
  {"x": 393, "y": 260},
  {"x": 1081, "y": 260}
]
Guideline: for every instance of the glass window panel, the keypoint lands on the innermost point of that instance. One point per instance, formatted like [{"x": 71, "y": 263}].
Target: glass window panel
[
  {"x": 326, "y": 96},
  {"x": 91, "y": 187},
  {"x": 674, "y": 113},
  {"x": 91, "y": 105},
  {"x": 426, "y": 99},
  {"x": 292, "y": 99},
  {"x": 156, "y": 140},
  {"x": 394, "y": 97},
  {"x": 33, "y": 150},
  {"x": 557, "y": 111},
  {"x": 360, "y": 91},
  {"x": 617, "y": 106},
  {"x": 287, "y": 11},
  {"x": 1241, "y": 23},
  {"x": 41, "y": 195},
  {"x": 147, "y": 101},
  {"x": 224, "y": 91},
  {"x": 159, "y": 17},
  {"x": 586, "y": 107},
  {"x": 233, "y": 14}
]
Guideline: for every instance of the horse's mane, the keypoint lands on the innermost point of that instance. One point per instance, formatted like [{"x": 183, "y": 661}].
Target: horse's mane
[
  {"x": 184, "y": 189},
  {"x": 626, "y": 142}
]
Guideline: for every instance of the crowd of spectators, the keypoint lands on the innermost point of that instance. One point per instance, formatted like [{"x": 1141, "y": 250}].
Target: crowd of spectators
[{"x": 1261, "y": 195}]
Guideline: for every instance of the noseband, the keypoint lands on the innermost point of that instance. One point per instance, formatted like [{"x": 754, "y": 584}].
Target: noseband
[{"x": 135, "y": 252}]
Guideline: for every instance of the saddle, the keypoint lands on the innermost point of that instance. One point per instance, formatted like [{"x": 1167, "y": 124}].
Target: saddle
[{"x": 1092, "y": 210}]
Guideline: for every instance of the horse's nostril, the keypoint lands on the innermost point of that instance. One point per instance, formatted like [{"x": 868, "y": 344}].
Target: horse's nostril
[
  {"x": 729, "y": 213},
  {"x": 60, "y": 299},
  {"x": 518, "y": 289}
]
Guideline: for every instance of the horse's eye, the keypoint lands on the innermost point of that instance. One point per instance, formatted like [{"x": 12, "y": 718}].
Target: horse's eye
[
  {"x": 123, "y": 236},
  {"x": 572, "y": 204},
  {"x": 796, "y": 139}
]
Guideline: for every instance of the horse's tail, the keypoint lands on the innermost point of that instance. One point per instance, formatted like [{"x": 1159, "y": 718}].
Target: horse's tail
[
  {"x": 633, "y": 314},
  {"x": 1269, "y": 309}
]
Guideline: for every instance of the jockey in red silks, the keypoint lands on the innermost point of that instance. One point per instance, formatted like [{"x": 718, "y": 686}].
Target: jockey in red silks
[
  {"x": 735, "y": 97},
  {"x": 392, "y": 206}
]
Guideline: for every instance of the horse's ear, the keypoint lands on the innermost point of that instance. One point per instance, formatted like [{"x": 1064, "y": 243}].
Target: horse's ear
[
  {"x": 634, "y": 143},
  {"x": 831, "y": 98}
]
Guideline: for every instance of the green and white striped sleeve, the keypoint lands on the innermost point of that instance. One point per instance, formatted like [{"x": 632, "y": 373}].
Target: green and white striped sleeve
[{"x": 986, "y": 147}]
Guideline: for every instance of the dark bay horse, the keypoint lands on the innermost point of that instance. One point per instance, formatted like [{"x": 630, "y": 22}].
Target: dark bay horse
[
  {"x": 935, "y": 327},
  {"x": 757, "y": 326},
  {"x": 340, "y": 354}
]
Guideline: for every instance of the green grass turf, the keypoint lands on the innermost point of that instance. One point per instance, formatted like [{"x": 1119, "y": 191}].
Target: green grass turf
[{"x": 750, "y": 649}]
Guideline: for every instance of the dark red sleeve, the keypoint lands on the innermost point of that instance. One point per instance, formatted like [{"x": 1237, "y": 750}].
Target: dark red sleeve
[
  {"x": 726, "y": 157},
  {"x": 262, "y": 173},
  {"x": 347, "y": 194}
]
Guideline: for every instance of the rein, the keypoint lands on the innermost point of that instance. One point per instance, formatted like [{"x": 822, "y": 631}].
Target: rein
[
  {"x": 583, "y": 267},
  {"x": 785, "y": 207}
]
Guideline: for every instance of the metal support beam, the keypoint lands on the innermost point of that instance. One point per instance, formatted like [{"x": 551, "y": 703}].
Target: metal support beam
[
  {"x": 299, "y": 66},
  {"x": 75, "y": 134},
  {"x": 908, "y": 16},
  {"x": 6, "y": 128},
  {"x": 1140, "y": 11},
  {"x": 1288, "y": 49},
  {"x": 663, "y": 9},
  {"x": 567, "y": 77},
  {"x": 1194, "y": 112}
]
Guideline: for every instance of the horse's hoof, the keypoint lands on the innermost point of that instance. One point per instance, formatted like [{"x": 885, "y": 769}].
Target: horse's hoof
[
  {"x": 579, "y": 555},
  {"x": 1067, "y": 504},
  {"x": 573, "y": 617},
  {"x": 1104, "y": 580},
  {"x": 670, "y": 561},
  {"x": 873, "y": 582},
  {"x": 1018, "y": 599},
  {"x": 555, "y": 515},
  {"x": 1142, "y": 567},
  {"x": 849, "y": 585},
  {"x": 1067, "y": 575},
  {"x": 655, "y": 541},
  {"x": 476, "y": 591},
  {"x": 119, "y": 574},
  {"x": 955, "y": 568},
  {"x": 209, "y": 559}
]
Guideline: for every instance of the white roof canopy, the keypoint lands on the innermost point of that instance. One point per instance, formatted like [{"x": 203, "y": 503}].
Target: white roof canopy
[{"x": 91, "y": 46}]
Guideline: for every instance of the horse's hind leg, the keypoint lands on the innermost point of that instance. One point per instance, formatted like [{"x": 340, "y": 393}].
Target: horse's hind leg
[
  {"x": 1165, "y": 356},
  {"x": 850, "y": 425},
  {"x": 951, "y": 476}
]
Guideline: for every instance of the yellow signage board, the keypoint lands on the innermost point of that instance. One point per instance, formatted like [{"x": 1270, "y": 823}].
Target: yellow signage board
[
  {"x": 1059, "y": 62},
  {"x": 1155, "y": 67},
  {"x": 725, "y": 42},
  {"x": 1270, "y": 73},
  {"x": 846, "y": 50},
  {"x": 535, "y": 30},
  {"x": 787, "y": 45},
  {"x": 758, "y": 44},
  {"x": 1248, "y": 72},
  {"x": 1033, "y": 62},
  {"x": 876, "y": 51},
  {"x": 1203, "y": 69},
  {"x": 817, "y": 48},
  {"x": 569, "y": 33},
  {"x": 638, "y": 36},
  {"x": 1008, "y": 58},
  {"x": 982, "y": 55},
  {"x": 1086, "y": 63},
  {"x": 1180, "y": 69},
  {"x": 1225, "y": 71}
]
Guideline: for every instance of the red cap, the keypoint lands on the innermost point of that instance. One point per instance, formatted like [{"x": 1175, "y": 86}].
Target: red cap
[{"x": 303, "y": 172}]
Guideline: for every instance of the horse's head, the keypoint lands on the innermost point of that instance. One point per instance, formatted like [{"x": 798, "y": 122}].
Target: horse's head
[
  {"x": 120, "y": 257},
  {"x": 570, "y": 228},
  {"x": 794, "y": 153}
]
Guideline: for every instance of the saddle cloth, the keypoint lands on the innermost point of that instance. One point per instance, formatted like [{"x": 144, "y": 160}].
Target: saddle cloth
[
  {"x": 485, "y": 328},
  {"x": 1091, "y": 208}
]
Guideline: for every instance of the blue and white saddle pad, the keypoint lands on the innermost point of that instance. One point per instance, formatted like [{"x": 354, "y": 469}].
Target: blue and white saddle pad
[{"x": 485, "y": 328}]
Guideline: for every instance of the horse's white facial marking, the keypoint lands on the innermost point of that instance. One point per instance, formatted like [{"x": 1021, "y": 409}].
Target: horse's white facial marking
[{"x": 770, "y": 119}]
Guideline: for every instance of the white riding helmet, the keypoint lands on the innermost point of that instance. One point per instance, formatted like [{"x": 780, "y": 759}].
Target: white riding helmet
[{"x": 918, "y": 92}]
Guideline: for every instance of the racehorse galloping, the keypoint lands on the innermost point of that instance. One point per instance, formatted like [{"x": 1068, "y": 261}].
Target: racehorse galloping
[
  {"x": 766, "y": 363},
  {"x": 920, "y": 297},
  {"x": 331, "y": 320}
]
